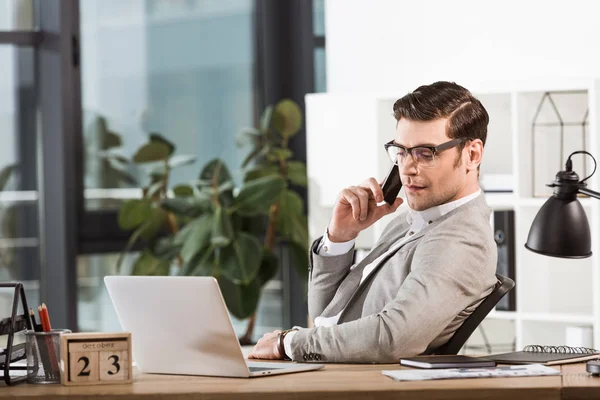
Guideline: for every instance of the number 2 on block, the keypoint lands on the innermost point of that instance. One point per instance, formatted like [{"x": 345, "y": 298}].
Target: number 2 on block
[{"x": 84, "y": 366}]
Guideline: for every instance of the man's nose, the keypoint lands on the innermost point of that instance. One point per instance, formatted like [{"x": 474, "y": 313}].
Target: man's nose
[{"x": 409, "y": 167}]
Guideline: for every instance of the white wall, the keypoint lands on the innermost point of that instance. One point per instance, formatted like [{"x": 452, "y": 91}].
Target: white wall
[{"x": 392, "y": 46}]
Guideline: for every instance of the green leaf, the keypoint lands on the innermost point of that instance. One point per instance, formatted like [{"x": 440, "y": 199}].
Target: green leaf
[
  {"x": 265, "y": 118},
  {"x": 5, "y": 175},
  {"x": 201, "y": 264},
  {"x": 147, "y": 264},
  {"x": 130, "y": 243},
  {"x": 240, "y": 261},
  {"x": 260, "y": 171},
  {"x": 258, "y": 195},
  {"x": 287, "y": 118},
  {"x": 241, "y": 300},
  {"x": 121, "y": 172},
  {"x": 248, "y": 136},
  {"x": 155, "y": 223},
  {"x": 133, "y": 213},
  {"x": 191, "y": 206},
  {"x": 197, "y": 237},
  {"x": 153, "y": 189},
  {"x": 215, "y": 171},
  {"x": 110, "y": 141},
  {"x": 290, "y": 204},
  {"x": 268, "y": 267},
  {"x": 294, "y": 227},
  {"x": 165, "y": 249},
  {"x": 251, "y": 156},
  {"x": 151, "y": 152},
  {"x": 227, "y": 186},
  {"x": 298, "y": 254},
  {"x": 296, "y": 173},
  {"x": 177, "y": 161},
  {"x": 222, "y": 231},
  {"x": 157, "y": 138},
  {"x": 183, "y": 191},
  {"x": 278, "y": 154}
]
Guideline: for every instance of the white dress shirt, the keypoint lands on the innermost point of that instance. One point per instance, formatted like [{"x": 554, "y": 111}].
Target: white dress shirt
[{"x": 417, "y": 220}]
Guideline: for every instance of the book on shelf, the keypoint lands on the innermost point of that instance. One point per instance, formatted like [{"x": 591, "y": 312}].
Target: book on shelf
[
  {"x": 446, "y": 361},
  {"x": 547, "y": 355}
]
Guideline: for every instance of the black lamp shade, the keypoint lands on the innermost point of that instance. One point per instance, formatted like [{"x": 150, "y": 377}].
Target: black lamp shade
[{"x": 560, "y": 229}]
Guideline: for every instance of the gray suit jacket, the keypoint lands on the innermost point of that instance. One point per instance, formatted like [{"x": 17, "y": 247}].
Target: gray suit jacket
[{"x": 412, "y": 302}]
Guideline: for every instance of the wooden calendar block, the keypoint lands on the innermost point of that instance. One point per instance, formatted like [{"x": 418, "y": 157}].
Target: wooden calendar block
[
  {"x": 114, "y": 365},
  {"x": 83, "y": 366},
  {"x": 95, "y": 358}
]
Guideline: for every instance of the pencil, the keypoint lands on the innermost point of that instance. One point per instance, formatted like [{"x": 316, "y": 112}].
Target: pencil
[
  {"x": 36, "y": 327},
  {"x": 43, "y": 310},
  {"x": 45, "y": 318}
]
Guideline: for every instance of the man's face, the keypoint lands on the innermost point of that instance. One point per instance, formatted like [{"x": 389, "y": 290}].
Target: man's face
[{"x": 426, "y": 187}]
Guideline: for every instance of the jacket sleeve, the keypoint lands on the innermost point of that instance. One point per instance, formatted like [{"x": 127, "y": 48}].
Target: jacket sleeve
[
  {"x": 446, "y": 277},
  {"x": 325, "y": 276}
]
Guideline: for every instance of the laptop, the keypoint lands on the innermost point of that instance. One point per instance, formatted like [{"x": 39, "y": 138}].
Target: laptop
[{"x": 180, "y": 325}]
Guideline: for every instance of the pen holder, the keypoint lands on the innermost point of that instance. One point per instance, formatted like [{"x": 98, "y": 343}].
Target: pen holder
[{"x": 43, "y": 356}]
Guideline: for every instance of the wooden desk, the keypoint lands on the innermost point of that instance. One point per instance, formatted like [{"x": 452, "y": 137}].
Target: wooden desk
[
  {"x": 333, "y": 382},
  {"x": 578, "y": 384}
]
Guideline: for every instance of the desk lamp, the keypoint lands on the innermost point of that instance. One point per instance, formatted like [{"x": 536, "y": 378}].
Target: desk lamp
[{"x": 560, "y": 228}]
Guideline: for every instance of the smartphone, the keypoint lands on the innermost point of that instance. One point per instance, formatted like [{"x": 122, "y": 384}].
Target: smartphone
[{"x": 391, "y": 185}]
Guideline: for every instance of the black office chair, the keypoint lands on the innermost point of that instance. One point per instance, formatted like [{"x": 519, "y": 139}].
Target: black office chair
[{"x": 463, "y": 333}]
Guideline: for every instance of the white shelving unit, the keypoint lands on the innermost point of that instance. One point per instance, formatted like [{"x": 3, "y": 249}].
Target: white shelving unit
[{"x": 345, "y": 137}]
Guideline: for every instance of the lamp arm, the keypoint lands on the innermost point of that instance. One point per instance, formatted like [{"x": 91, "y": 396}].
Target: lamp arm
[{"x": 589, "y": 192}]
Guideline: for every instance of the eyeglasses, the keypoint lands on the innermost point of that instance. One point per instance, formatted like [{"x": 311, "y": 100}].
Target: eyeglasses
[{"x": 422, "y": 155}]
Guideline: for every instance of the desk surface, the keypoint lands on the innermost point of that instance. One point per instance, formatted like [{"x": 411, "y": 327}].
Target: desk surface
[{"x": 332, "y": 382}]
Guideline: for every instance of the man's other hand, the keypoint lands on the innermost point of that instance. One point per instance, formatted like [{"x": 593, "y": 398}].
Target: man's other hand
[
  {"x": 356, "y": 209},
  {"x": 266, "y": 347}
]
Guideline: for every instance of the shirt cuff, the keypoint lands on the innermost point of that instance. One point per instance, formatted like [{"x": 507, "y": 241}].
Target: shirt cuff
[
  {"x": 327, "y": 248},
  {"x": 287, "y": 343}
]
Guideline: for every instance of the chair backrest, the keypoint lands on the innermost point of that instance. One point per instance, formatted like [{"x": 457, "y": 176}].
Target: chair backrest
[{"x": 461, "y": 335}]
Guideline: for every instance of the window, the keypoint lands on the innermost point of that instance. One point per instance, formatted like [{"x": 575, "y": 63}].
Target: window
[
  {"x": 181, "y": 69},
  {"x": 19, "y": 232},
  {"x": 319, "y": 39}
]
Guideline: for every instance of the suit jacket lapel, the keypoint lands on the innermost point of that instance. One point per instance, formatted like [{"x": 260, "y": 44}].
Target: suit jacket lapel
[
  {"x": 372, "y": 274},
  {"x": 352, "y": 281}
]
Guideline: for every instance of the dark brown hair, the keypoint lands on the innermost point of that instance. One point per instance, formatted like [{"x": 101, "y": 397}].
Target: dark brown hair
[{"x": 467, "y": 118}]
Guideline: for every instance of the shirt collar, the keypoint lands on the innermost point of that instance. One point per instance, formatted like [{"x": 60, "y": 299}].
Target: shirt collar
[{"x": 433, "y": 213}]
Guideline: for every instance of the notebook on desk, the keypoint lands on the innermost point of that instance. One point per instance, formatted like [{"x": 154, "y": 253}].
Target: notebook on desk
[{"x": 547, "y": 355}]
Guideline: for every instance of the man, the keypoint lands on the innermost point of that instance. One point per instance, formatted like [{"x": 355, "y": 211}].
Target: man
[{"x": 431, "y": 267}]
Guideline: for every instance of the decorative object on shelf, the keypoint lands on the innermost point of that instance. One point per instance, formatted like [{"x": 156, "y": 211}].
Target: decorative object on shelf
[
  {"x": 561, "y": 228},
  {"x": 559, "y": 126},
  {"x": 504, "y": 236},
  {"x": 209, "y": 227}
]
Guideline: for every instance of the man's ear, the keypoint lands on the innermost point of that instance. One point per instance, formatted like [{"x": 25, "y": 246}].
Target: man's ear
[{"x": 474, "y": 154}]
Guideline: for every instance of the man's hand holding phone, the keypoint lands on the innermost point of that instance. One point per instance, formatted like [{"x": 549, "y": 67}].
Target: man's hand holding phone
[{"x": 357, "y": 209}]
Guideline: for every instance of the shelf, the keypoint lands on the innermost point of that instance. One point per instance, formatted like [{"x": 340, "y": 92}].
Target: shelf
[
  {"x": 506, "y": 315},
  {"x": 565, "y": 318},
  {"x": 500, "y": 201},
  {"x": 539, "y": 201}
]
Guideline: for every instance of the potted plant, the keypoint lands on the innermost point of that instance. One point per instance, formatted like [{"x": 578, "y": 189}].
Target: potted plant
[{"x": 210, "y": 226}]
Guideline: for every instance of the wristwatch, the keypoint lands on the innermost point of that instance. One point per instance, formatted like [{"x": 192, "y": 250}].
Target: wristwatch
[{"x": 280, "y": 345}]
